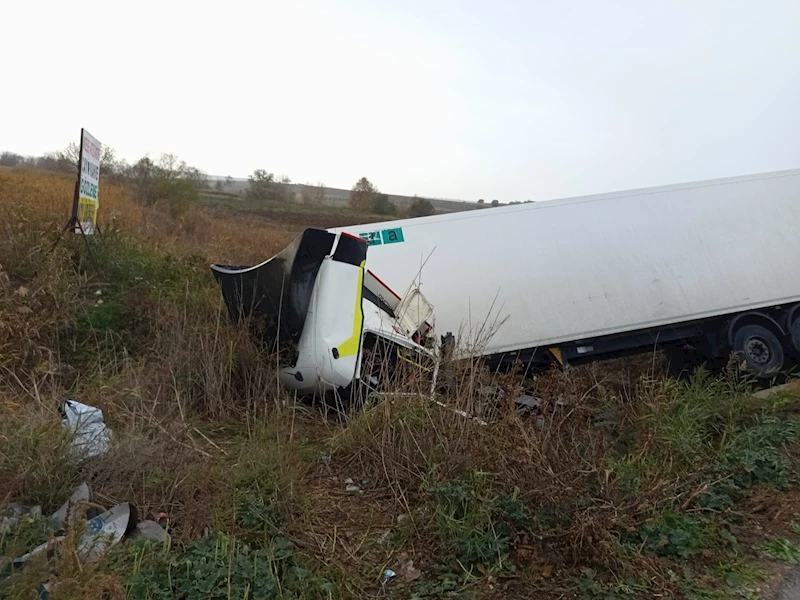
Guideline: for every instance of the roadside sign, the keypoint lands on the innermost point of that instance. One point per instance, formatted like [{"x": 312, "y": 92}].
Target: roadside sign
[{"x": 86, "y": 201}]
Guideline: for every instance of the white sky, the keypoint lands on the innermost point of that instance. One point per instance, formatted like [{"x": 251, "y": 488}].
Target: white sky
[{"x": 448, "y": 98}]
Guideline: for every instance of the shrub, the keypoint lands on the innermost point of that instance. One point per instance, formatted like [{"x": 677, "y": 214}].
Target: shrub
[
  {"x": 383, "y": 206},
  {"x": 421, "y": 207}
]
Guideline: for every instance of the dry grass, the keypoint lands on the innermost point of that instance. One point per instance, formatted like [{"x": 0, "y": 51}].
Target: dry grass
[
  {"x": 205, "y": 434},
  {"x": 38, "y": 204},
  {"x": 153, "y": 350}
]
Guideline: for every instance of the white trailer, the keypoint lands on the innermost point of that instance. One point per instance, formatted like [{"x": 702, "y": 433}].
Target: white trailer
[{"x": 715, "y": 264}]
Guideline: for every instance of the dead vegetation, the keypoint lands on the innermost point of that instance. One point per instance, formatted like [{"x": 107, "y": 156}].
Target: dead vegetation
[{"x": 619, "y": 484}]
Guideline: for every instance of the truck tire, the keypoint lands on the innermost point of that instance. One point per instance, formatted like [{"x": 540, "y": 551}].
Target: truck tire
[
  {"x": 795, "y": 329},
  {"x": 759, "y": 349}
]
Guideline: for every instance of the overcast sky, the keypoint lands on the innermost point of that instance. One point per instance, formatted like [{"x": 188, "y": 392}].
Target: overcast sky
[{"x": 446, "y": 98}]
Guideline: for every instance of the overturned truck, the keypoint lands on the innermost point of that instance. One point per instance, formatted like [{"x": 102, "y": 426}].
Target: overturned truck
[
  {"x": 700, "y": 270},
  {"x": 336, "y": 326}
]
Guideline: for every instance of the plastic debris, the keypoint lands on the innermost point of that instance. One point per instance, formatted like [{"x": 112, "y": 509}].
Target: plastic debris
[
  {"x": 351, "y": 487},
  {"x": 91, "y": 436},
  {"x": 461, "y": 413},
  {"x": 81, "y": 494},
  {"x": 102, "y": 532},
  {"x": 46, "y": 548},
  {"x": 387, "y": 575},
  {"x": 14, "y": 512},
  {"x": 150, "y": 530},
  {"x": 490, "y": 391},
  {"x": 106, "y": 530},
  {"x": 528, "y": 401}
]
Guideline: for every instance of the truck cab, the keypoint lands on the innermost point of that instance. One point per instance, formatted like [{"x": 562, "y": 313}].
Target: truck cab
[{"x": 329, "y": 318}]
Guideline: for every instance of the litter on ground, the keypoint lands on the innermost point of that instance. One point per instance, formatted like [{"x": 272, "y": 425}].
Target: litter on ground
[{"x": 91, "y": 436}]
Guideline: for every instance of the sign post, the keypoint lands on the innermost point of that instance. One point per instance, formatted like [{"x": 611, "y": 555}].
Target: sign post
[{"x": 86, "y": 200}]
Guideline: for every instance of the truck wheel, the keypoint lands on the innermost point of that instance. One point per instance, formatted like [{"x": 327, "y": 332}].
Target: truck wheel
[
  {"x": 759, "y": 349},
  {"x": 796, "y": 334}
]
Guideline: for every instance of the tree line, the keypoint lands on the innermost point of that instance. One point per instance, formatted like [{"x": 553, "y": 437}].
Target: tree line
[
  {"x": 165, "y": 179},
  {"x": 366, "y": 197},
  {"x": 171, "y": 180}
]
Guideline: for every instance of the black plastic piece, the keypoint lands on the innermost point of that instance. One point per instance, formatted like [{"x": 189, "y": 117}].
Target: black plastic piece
[
  {"x": 274, "y": 297},
  {"x": 368, "y": 294},
  {"x": 350, "y": 250}
]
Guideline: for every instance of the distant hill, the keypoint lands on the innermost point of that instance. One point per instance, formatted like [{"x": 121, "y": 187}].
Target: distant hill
[{"x": 340, "y": 197}]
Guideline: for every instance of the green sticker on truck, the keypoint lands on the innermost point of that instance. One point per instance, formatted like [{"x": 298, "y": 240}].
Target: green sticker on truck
[
  {"x": 386, "y": 236},
  {"x": 373, "y": 238},
  {"x": 392, "y": 236}
]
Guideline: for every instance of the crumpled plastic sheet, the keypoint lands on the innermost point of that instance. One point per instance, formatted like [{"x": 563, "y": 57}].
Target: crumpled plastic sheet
[{"x": 91, "y": 436}]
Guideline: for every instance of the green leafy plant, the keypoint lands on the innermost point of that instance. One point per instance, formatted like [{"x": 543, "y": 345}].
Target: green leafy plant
[
  {"x": 446, "y": 585},
  {"x": 590, "y": 587},
  {"x": 472, "y": 523},
  {"x": 740, "y": 576},
  {"x": 699, "y": 415},
  {"x": 754, "y": 457},
  {"x": 782, "y": 549},
  {"x": 672, "y": 534},
  {"x": 221, "y": 567},
  {"x": 27, "y": 533},
  {"x": 257, "y": 515}
]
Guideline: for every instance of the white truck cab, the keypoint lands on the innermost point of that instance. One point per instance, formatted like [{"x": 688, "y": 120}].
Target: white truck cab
[{"x": 325, "y": 313}]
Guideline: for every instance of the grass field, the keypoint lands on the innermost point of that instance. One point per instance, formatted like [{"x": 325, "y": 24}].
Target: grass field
[{"x": 624, "y": 484}]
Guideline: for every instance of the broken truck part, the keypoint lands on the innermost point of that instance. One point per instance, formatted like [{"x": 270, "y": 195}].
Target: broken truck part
[{"x": 327, "y": 315}]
